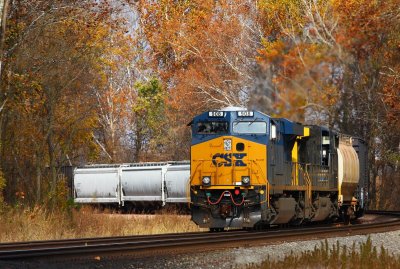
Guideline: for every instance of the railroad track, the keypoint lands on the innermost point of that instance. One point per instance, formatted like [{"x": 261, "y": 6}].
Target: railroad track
[{"x": 148, "y": 245}]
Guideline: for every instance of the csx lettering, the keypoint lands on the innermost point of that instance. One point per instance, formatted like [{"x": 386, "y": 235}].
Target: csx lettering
[{"x": 221, "y": 159}]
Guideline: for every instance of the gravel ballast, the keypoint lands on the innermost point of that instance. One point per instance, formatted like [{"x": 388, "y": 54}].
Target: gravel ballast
[{"x": 389, "y": 240}]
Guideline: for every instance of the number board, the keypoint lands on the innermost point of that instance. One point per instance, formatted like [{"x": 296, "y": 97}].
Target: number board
[
  {"x": 216, "y": 114},
  {"x": 245, "y": 113}
]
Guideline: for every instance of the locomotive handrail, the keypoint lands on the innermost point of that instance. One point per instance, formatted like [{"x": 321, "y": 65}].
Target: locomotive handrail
[
  {"x": 195, "y": 170},
  {"x": 308, "y": 184},
  {"x": 267, "y": 181}
]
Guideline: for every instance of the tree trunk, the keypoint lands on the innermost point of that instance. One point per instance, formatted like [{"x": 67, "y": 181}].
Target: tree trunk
[
  {"x": 138, "y": 142},
  {"x": 4, "y": 10},
  {"x": 113, "y": 150},
  {"x": 52, "y": 167},
  {"x": 38, "y": 180},
  {"x": 51, "y": 101}
]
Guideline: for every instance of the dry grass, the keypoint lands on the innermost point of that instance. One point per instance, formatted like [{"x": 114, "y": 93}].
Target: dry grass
[
  {"x": 40, "y": 224},
  {"x": 365, "y": 256}
]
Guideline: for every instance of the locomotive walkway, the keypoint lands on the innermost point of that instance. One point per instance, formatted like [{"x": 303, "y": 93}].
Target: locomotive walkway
[{"x": 183, "y": 243}]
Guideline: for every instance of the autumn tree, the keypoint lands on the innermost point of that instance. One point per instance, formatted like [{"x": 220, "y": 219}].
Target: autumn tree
[
  {"x": 54, "y": 50},
  {"x": 115, "y": 93},
  {"x": 367, "y": 34},
  {"x": 301, "y": 52},
  {"x": 331, "y": 61},
  {"x": 205, "y": 54}
]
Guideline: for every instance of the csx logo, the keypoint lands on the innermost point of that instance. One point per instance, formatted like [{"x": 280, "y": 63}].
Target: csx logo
[{"x": 225, "y": 159}]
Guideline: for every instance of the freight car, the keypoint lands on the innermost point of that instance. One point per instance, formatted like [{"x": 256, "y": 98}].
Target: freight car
[
  {"x": 249, "y": 170},
  {"x": 143, "y": 185}
]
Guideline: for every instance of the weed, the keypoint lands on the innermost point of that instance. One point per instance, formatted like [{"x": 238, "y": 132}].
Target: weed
[{"x": 324, "y": 256}]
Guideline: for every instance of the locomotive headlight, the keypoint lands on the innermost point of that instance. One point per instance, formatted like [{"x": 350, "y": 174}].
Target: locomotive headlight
[
  {"x": 206, "y": 180},
  {"x": 245, "y": 180}
]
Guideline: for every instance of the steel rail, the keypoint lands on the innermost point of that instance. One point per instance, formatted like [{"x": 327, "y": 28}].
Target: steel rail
[
  {"x": 98, "y": 240},
  {"x": 380, "y": 212},
  {"x": 85, "y": 241},
  {"x": 119, "y": 239},
  {"x": 132, "y": 244},
  {"x": 116, "y": 239}
]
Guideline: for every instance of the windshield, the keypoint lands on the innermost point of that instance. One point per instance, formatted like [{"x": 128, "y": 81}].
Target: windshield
[
  {"x": 250, "y": 127},
  {"x": 212, "y": 127}
]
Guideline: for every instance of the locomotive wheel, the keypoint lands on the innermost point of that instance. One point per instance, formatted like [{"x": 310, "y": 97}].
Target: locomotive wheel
[
  {"x": 347, "y": 213},
  {"x": 350, "y": 213},
  {"x": 346, "y": 219}
]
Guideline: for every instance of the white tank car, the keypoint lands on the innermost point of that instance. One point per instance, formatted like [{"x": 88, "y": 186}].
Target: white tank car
[{"x": 348, "y": 170}]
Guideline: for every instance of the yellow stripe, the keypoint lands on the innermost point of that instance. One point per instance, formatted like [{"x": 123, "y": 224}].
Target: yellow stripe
[{"x": 295, "y": 175}]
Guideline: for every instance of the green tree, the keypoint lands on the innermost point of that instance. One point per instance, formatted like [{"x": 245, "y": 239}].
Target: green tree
[{"x": 149, "y": 113}]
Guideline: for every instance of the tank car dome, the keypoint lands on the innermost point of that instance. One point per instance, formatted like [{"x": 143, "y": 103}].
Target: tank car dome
[{"x": 233, "y": 108}]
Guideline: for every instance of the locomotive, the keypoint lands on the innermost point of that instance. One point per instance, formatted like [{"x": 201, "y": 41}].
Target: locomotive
[{"x": 249, "y": 170}]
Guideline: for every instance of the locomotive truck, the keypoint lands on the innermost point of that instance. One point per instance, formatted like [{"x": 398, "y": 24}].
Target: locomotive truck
[{"x": 250, "y": 170}]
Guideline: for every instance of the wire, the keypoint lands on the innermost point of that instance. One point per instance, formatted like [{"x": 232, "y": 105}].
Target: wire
[
  {"x": 219, "y": 200},
  {"x": 222, "y": 195},
  {"x": 233, "y": 201}
]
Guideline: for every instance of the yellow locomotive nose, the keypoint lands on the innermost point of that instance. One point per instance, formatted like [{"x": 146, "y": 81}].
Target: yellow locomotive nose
[
  {"x": 228, "y": 168},
  {"x": 228, "y": 162}
]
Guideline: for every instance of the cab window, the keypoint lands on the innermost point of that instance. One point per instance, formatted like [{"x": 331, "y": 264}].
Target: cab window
[
  {"x": 212, "y": 127},
  {"x": 250, "y": 127}
]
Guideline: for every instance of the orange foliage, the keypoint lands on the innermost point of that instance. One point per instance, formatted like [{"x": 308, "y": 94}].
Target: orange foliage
[
  {"x": 311, "y": 44},
  {"x": 53, "y": 54},
  {"x": 204, "y": 52}
]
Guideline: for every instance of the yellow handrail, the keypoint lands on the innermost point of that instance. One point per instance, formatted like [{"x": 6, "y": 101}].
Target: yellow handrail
[
  {"x": 308, "y": 185},
  {"x": 266, "y": 179}
]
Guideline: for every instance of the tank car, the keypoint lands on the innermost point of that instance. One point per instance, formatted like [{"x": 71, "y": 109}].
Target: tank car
[{"x": 248, "y": 169}]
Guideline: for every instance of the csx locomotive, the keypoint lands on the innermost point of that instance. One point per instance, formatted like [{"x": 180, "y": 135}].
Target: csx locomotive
[{"x": 251, "y": 170}]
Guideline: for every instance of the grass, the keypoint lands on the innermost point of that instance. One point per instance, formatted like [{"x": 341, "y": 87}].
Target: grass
[
  {"x": 40, "y": 224},
  {"x": 364, "y": 256}
]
